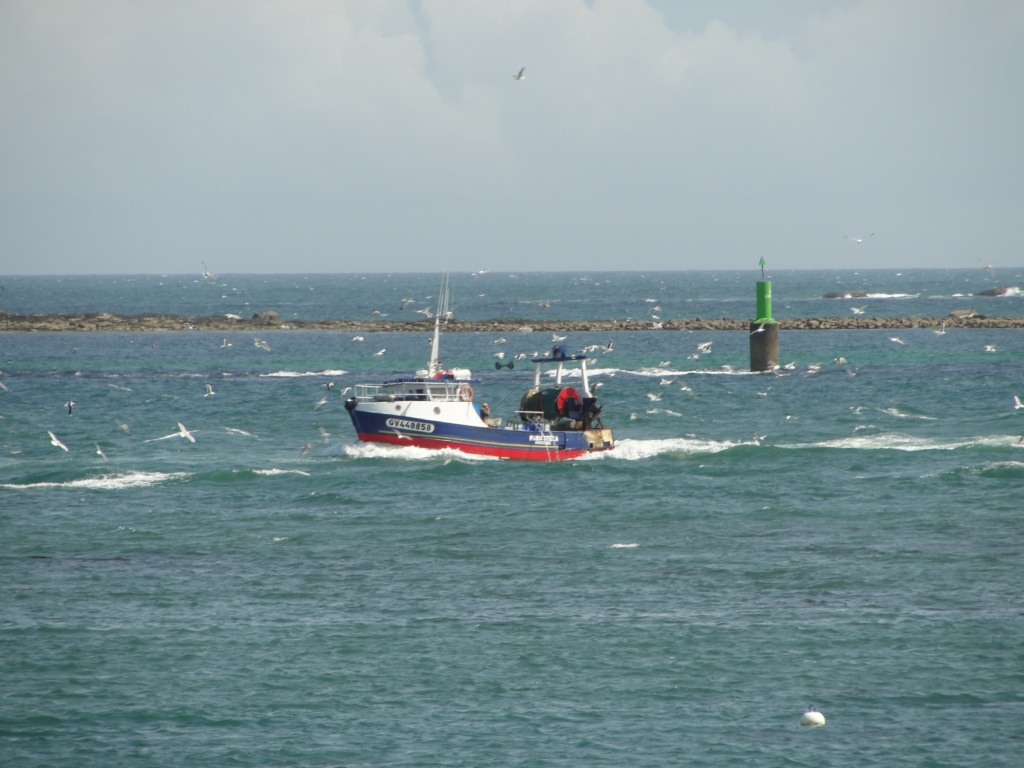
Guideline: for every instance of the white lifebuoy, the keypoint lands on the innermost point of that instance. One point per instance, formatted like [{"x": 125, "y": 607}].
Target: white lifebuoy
[{"x": 465, "y": 393}]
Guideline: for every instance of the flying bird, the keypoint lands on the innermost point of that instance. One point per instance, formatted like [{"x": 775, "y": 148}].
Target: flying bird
[
  {"x": 182, "y": 432},
  {"x": 858, "y": 239},
  {"x": 520, "y": 75},
  {"x": 858, "y": 310},
  {"x": 55, "y": 442},
  {"x": 99, "y": 452},
  {"x": 1017, "y": 403},
  {"x": 209, "y": 390},
  {"x": 898, "y": 340},
  {"x": 70, "y": 405},
  {"x": 380, "y": 352}
]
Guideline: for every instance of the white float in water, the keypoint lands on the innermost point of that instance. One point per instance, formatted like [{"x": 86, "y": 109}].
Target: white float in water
[{"x": 812, "y": 717}]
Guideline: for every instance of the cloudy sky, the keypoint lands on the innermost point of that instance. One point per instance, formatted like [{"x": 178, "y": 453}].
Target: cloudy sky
[{"x": 390, "y": 135}]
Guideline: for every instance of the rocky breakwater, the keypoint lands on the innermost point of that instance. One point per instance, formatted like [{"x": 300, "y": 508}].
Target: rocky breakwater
[{"x": 269, "y": 321}]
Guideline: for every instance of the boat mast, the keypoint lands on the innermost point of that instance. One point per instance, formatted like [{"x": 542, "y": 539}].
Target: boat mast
[{"x": 442, "y": 311}]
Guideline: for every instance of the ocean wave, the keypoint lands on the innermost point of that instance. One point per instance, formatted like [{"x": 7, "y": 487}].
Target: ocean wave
[
  {"x": 900, "y": 442},
  {"x": 906, "y": 414},
  {"x": 114, "y": 482},
  {"x": 300, "y": 374},
  {"x": 721, "y": 370}
]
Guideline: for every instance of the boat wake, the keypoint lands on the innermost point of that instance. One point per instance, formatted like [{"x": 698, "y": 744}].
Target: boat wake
[
  {"x": 407, "y": 453},
  {"x": 636, "y": 450}
]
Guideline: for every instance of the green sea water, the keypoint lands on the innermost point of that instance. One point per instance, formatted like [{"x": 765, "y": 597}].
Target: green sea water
[{"x": 842, "y": 535}]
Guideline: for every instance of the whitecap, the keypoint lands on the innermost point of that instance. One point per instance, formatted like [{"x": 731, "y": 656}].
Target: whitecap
[
  {"x": 105, "y": 482},
  {"x": 905, "y": 415},
  {"x": 272, "y": 472},
  {"x": 300, "y": 374}
]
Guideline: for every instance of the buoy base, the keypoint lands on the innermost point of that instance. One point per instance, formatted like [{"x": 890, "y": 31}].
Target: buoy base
[{"x": 764, "y": 345}]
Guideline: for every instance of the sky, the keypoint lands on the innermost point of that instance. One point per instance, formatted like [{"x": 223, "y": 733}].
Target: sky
[{"x": 312, "y": 136}]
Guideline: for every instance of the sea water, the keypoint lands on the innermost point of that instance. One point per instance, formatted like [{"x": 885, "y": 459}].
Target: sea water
[{"x": 846, "y": 535}]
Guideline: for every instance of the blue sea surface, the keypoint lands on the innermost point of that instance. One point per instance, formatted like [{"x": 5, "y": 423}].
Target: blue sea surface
[{"x": 846, "y": 535}]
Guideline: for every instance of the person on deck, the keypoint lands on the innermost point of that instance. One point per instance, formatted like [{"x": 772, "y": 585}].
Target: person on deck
[{"x": 485, "y": 412}]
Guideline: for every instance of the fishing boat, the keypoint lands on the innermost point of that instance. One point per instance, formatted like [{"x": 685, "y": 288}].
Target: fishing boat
[{"x": 437, "y": 408}]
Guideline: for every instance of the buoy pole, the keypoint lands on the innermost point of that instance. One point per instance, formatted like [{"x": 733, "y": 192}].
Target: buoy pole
[{"x": 764, "y": 331}]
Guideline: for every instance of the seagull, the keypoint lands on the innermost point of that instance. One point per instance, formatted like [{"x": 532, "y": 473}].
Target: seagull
[
  {"x": 858, "y": 239},
  {"x": 499, "y": 355},
  {"x": 55, "y": 442},
  {"x": 704, "y": 347},
  {"x": 99, "y": 451},
  {"x": 840, "y": 360},
  {"x": 70, "y": 405},
  {"x": 380, "y": 352},
  {"x": 209, "y": 390},
  {"x": 4, "y": 387},
  {"x": 405, "y": 302},
  {"x": 653, "y": 397},
  {"x": 1017, "y": 403},
  {"x": 765, "y": 393},
  {"x": 520, "y": 75},
  {"x": 262, "y": 344},
  {"x": 898, "y": 340},
  {"x": 556, "y": 337},
  {"x": 759, "y": 329},
  {"x": 941, "y": 330},
  {"x": 990, "y": 347},
  {"x": 858, "y": 310},
  {"x": 988, "y": 268},
  {"x": 758, "y": 438},
  {"x": 225, "y": 343},
  {"x": 207, "y": 273},
  {"x": 182, "y": 432},
  {"x": 325, "y": 436},
  {"x": 358, "y": 338}
]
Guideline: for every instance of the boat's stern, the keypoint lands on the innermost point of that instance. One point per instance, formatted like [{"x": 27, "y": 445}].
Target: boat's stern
[{"x": 599, "y": 439}]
